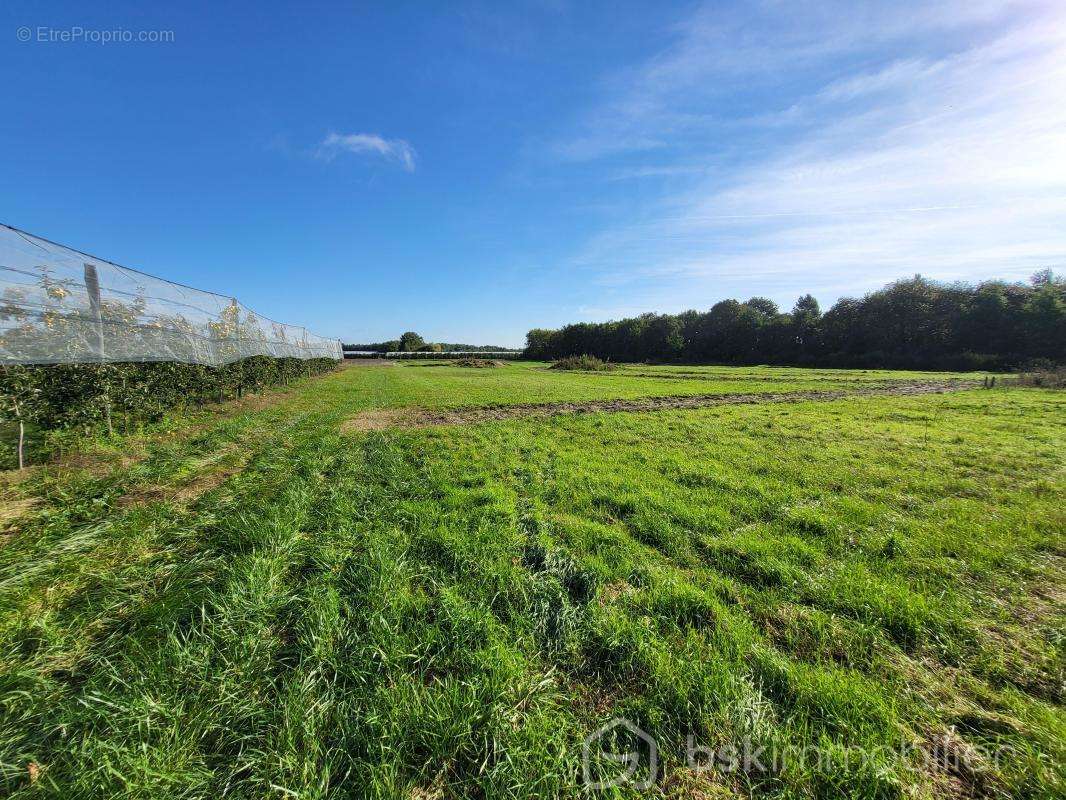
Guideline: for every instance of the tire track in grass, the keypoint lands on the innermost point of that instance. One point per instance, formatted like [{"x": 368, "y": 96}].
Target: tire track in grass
[
  {"x": 65, "y": 612},
  {"x": 77, "y": 512},
  {"x": 180, "y": 698},
  {"x": 432, "y": 696},
  {"x": 62, "y": 607},
  {"x": 306, "y": 696}
]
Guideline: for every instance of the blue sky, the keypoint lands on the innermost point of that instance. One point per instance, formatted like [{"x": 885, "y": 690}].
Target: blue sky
[{"x": 472, "y": 170}]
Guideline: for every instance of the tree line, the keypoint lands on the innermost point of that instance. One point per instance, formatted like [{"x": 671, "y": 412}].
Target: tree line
[
  {"x": 411, "y": 342},
  {"x": 909, "y": 324}
]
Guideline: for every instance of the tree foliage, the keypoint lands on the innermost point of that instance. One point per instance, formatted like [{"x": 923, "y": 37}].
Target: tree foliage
[
  {"x": 912, "y": 323},
  {"x": 411, "y": 341}
]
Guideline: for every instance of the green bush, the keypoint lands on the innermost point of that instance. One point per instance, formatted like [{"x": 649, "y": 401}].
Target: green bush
[
  {"x": 477, "y": 363},
  {"x": 586, "y": 363}
]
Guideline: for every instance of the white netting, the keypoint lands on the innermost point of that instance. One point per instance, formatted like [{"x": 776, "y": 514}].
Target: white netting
[{"x": 51, "y": 312}]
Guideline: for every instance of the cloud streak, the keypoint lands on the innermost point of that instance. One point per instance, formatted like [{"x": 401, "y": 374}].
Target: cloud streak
[
  {"x": 395, "y": 150},
  {"x": 873, "y": 145}
]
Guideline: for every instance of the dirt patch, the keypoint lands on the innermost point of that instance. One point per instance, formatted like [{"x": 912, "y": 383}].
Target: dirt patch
[
  {"x": 709, "y": 784},
  {"x": 178, "y": 495},
  {"x": 13, "y": 477},
  {"x": 612, "y": 591},
  {"x": 435, "y": 790},
  {"x": 98, "y": 463},
  {"x": 378, "y": 419},
  {"x": 12, "y": 509},
  {"x": 954, "y": 766},
  {"x": 1043, "y": 601},
  {"x": 190, "y": 491},
  {"x": 1047, "y": 602}
]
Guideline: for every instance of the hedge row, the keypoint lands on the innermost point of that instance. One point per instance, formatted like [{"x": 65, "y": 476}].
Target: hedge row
[{"x": 90, "y": 398}]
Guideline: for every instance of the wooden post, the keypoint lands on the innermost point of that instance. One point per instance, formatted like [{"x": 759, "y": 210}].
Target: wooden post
[
  {"x": 22, "y": 432},
  {"x": 92, "y": 286}
]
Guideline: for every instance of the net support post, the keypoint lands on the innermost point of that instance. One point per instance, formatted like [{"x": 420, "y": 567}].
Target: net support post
[{"x": 96, "y": 313}]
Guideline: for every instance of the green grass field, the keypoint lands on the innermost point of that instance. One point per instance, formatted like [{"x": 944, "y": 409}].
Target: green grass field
[{"x": 267, "y": 601}]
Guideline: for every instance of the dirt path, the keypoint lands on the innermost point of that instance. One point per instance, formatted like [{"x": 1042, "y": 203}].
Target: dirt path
[
  {"x": 715, "y": 376},
  {"x": 381, "y": 418}
]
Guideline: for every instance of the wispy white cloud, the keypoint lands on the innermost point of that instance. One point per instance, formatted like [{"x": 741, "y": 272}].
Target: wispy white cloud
[
  {"x": 719, "y": 53},
  {"x": 919, "y": 140},
  {"x": 396, "y": 150},
  {"x": 655, "y": 171}
]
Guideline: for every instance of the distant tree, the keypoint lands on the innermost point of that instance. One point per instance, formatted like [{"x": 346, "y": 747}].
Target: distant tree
[
  {"x": 661, "y": 337},
  {"x": 539, "y": 344},
  {"x": 393, "y": 345},
  {"x": 807, "y": 307},
  {"x": 410, "y": 342},
  {"x": 1045, "y": 320},
  {"x": 730, "y": 332},
  {"x": 1044, "y": 277},
  {"x": 804, "y": 332},
  {"x": 986, "y": 320},
  {"x": 448, "y": 347},
  {"x": 763, "y": 306}
]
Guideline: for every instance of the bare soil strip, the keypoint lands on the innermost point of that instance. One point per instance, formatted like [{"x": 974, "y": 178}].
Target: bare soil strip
[
  {"x": 223, "y": 466},
  {"x": 381, "y": 418},
  {"x": 717, "y": 377}
]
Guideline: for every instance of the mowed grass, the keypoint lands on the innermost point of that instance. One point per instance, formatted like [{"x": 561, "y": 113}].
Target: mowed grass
[{"x": 262, "y": 606}]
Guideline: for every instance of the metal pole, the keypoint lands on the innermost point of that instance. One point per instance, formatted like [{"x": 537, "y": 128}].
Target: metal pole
[
  {"x": 92, "y": 287},
  {"x": 240, "y": 355}
]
